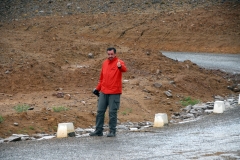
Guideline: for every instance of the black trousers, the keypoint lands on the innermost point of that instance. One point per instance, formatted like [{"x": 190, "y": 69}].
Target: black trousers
[{"x": 113, "y": 102}]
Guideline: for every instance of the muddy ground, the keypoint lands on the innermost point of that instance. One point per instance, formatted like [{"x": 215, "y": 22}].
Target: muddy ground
[{"x": 41, "y": 56}]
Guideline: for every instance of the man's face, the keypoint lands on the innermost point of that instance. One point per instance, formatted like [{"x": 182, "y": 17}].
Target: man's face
[{"x": 111, "y": 54}]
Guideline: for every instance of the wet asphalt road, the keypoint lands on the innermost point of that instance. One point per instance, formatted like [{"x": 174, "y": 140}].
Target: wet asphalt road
[
  {"x": 224, "y": 62},
  {"x": 217, "y": 136}
]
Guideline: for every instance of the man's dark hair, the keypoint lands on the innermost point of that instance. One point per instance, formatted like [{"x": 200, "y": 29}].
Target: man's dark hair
[{"x": 112, "y": 48}]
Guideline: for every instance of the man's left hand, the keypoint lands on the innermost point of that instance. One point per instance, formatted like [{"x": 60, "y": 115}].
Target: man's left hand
[{"x": 96, "y": 92}]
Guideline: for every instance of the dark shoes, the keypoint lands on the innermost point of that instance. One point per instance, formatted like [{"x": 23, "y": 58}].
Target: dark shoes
[
  {"x": 99, "y": 133},
  {"x": 96, "y": 133},
  {"x": 111, "y": 134}
]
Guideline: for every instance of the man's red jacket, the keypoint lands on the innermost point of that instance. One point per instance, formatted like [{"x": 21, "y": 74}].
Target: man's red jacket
[{"x": 110, "y": 81}]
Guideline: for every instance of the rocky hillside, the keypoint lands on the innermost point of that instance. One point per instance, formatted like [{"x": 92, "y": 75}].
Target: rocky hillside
[
  {"x": 56, "y": 47},
  {"x": 27, "y": 9}
]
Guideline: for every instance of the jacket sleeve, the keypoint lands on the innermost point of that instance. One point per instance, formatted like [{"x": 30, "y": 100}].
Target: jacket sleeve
[
  {"x": 100, "y": 81},
  {"x": 123, "y": 67}
]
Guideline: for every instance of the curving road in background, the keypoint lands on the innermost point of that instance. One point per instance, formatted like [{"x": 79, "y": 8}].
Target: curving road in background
[{"x": 225, "y": 62}]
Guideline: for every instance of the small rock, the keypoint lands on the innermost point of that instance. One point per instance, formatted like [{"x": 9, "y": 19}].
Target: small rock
[
  {"x": 172, "y": 82},
  {"x": 12, "y": 139},
  {"x": 20, "y": 135},
  {"x": 227, "y": 104},
  {"x": 60, "y": 95},
  {"x": 168, "y": 94},
  {"x": 208, "y": 111},
  {"x": 174, "y": 117},
  {"x": 90, "y": 55},
  {"x": 118, "y": 121},
  {"x": 15, "y": 124},
  {"x": 88, "y": 130},
  {"x": 122, "y": 127},
  {"x": 67, "y": 96},
  {"x": 46, "y": 137},
  {"x": 59, "y": 89},
  {"x": 187, "y": 108},
  {"x": 176, "y": 114},
  {"x": 39, "y": 135},
  {"x": 158, "y": 71},
  {"x": 210, "y": 107},
  {"x": 189, "y": 115},
  {"x": 237, "y": 88},
  {"x": 199, "y": 106},
  {"x": 146, "y": 97},
  {"x": 27, "y": 138},
  {"x": 133, "y": 129},
  {"x": 218, "y": 98},
  {"x": 157, "y": 85},
  {"x": 71, "y": 134},
  {"x": 82, "y": 135},
  {"x": 79, "y": 131}
]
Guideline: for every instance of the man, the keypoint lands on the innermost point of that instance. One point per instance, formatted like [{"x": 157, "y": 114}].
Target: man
[{"x": 109, "y": 90}]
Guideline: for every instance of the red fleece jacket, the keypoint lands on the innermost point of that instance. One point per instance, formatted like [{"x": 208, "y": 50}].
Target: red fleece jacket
[{"x": 110, "y": 81}]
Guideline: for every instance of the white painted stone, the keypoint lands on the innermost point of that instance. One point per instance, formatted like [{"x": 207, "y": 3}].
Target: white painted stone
[
  {"x": 219, "y": 107},
  {"x": 158, "y": 120},
  {"x": 239, "y": 99},
  {"x": 64, "y": 129}
]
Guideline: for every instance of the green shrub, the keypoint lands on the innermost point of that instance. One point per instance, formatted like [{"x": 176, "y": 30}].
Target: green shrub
[
  {"x": 59, "y": 109},
  {"x": 189, "y": 101},
  {"x": 31, "y": 127},
  {"x": 124, "y": 113},
  {"x": 21, "y": 108},
  {"x": 127, "y": 111},
  {"x": 1, "y": 119}
]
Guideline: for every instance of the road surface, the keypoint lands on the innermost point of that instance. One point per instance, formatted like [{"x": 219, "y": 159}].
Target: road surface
[
  {"x": 224, "y": 62},
  {"x": 216, "y": 136}
]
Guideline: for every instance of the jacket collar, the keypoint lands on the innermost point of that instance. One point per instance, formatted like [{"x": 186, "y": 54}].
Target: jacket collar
[{"x": 114, "y": 59}]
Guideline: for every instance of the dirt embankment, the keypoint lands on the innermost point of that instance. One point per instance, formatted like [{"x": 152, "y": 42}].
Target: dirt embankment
[{"x": 46, "y": 54}]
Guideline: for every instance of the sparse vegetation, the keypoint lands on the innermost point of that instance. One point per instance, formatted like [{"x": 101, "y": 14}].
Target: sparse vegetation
[
  {"x": 1, "y": 119},
  {"x": 59, "y": 109},
  {"x": 189, "y": 101},
  {"x": 55, "y": 128},
  {"x": 9, "y": 132},
  {"x": 31, "y": 127},
  {"x": 127, "y": 111},
  {"x": 124, "y": 113},
  {"x": 22, "y": 131},
  {"x": 21, "y": 108}
]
